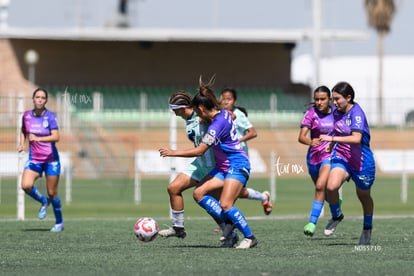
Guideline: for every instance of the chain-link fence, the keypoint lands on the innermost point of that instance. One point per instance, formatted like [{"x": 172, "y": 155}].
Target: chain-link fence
[{"x": 102, "y": 141}]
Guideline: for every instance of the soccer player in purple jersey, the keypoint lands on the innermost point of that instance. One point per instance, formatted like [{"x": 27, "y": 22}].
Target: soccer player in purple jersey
[
  {"x": 181, "y": 104},
  {"x": 351, "y": 158},
  {"x": 40, "y": 128},
  {"x": 317, "y": 120},
  {"x": 245, "y": 132},
  {"x": 232, "y": 164}
]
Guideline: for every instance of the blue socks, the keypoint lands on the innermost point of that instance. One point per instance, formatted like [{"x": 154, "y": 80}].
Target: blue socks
[
  {"x": 316, "y": 211},
  {"x": 37, "y": 195},
  {"x": 57, "y": 209},
  {"x": 57, "y": 205},
  {"x": 368, "y": 221},
  {"x": 212, "y": 206},
  {"x": 234, "y": 215},
  {"x": 335, "y": 210}
]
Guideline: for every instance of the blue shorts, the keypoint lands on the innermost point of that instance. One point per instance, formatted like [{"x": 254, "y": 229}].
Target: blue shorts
[
  {"x": 314, "y": 169},
  {"x": 240, "y": 174},
  {"x": 50, "y": 169},
  {"x": 363, "y": 179}
]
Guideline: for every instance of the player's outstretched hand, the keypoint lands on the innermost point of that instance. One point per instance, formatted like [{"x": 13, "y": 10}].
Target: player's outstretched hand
[{"x": 164, "y": 152}]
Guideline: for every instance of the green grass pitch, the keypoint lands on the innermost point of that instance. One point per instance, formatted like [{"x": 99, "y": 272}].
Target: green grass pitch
[{"x": 98, "y": 237}]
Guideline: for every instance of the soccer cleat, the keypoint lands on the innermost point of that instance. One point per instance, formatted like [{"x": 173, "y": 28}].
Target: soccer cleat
[
  {"x": 42, "y": 212},
  {"x": 331, "y": 226},
  {"x": 365, "y": 238},
  {"x": 227, "y": 231},
  {"x": 231, "y": 240},
  {"x": 57, "y": 228},
  {"x": 178, "y": 232},
  {"x": 309, "y": 229},
  {"x": 267, "y": 204},
  {"x": 247, "y": 243}
]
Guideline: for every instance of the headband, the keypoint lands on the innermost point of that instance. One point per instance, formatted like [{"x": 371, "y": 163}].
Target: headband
[{"x": 176, "y": 106}]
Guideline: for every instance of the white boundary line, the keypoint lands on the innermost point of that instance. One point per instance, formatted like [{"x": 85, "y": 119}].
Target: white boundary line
[{"x": 275, "y": 217}]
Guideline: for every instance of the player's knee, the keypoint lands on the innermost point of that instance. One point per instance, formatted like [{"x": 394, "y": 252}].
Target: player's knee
[
  {"x": 331, "y": 189},
  {"x": 332, "y": 186},
  {"x": 52, "y": 194},
  {"x": 320, "y": 187},
  {"x": 173, "y": 189},
  {"x": 198, "y": 195},
  {"x": 226, "y": 205},
  {"x": 27, "y": 187}
]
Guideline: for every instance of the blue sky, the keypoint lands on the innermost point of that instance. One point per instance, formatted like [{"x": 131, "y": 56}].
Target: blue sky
[{"x": 279, "y": 14}]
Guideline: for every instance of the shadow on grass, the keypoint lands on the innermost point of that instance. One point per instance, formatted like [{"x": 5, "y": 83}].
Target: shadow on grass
[
  {"x": 340, "y": 243},
  {"x": 196, "y": 246},
  {"x": 332, "y": 241},
  {"x": 36, "y": 230}
]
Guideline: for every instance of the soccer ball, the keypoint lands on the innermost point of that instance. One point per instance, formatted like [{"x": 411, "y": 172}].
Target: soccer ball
[{"x": 146, "y": 229}]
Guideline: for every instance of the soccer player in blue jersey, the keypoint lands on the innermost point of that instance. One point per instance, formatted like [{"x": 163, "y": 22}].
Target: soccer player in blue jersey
[
  {"x": 245, "y": 132},
  {"x": 317, "y": 120},
  {"x": 352, "y": 158},
  {"x": 232, "y": 164},
  {"x": 181, "y": 103},
  {"x": 40, "y": 128}
]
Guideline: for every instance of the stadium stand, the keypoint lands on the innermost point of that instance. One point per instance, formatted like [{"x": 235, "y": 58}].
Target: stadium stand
[{"x": 156, "y": 98}]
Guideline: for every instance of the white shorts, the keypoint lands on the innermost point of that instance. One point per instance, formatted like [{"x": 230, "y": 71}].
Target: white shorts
[{"x": 197, "y": 171}]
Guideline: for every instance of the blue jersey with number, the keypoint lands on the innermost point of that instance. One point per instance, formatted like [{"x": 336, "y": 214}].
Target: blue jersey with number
[
  {"x": 358, "y": 156},
  {"x": 221, "y": 136}
]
